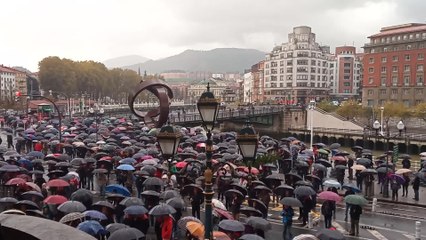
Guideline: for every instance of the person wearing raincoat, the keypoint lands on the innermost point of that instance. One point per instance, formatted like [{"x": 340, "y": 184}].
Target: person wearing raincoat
[{"x": 287, "y": 215}]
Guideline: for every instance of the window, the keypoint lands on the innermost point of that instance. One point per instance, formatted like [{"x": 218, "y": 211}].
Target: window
[
  {"x": 394, "y": 80},
  {"x": 382, "y": 91},
  {"x": 346, "y": 65},
  {"x": 371, "y": 60},
  {"x": 370, "y": 102},
  {"x": 383, "y": 70},
  {"x": 406, "y": 68},
  {"x": 406, "y": 80},
  {"x": 383, "y": 81},
  {"x": 395, "y": 58},
  {"x": 420, "y": 56},
  {"x": 347, "y": 71},
  {"x": 419, "y": 68},
  {"x": 419, "y": 80},
  {"x": 370, "y": 80},
  {"x": 407, "y": 57},
  {"x": 394, "y": 91},
  {"x": 370, "y": 92},
  {"x": 394, "y": 68},
  {"x": 405, "y": 91},
  {"x": 419, "y": 91},
  {"x": 384, "y": 59},
  {"x": 371, "y": 70},
  {"x": 347, "y": 84},
  {"x": 346, "y": 77},
  {"x": 408, "y": 47}
]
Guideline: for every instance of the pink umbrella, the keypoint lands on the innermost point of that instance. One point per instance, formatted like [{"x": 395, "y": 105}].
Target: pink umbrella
[
  {"x": 329, "y": 195},
  {"x": 181, "y": 164},
  {"x": 146, "y": 157}
]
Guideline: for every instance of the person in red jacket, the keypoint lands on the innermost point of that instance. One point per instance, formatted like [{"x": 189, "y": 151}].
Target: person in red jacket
[
  {"x": 167, "y": 227},
  {"x": 38, "y": 146}
]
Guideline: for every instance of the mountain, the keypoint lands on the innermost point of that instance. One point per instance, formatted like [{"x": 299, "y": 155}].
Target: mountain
[
  {"x": 216, "y": 60},
  {"x": 124, "y": 61}
]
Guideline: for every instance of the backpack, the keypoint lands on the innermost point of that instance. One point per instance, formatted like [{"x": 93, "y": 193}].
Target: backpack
[{"x": 326, "y": 209}]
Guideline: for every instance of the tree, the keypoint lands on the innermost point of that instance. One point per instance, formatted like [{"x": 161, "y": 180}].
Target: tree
[
  {"x": 327, "y": 106},
  {"x": 395, "y": 109},
  {"x": 350, "y": 110},
  {"x": 420, "y": 111}
]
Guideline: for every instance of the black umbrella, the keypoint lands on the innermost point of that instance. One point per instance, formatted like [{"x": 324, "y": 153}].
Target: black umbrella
[
  {"x": 153, "y": 181},
  {"x": 176, "y": 202},
  {"x": 368, "y": 171},
  {"x": 30, "y": 195},
  {"x": 128, "y": 233},
  {"x": 27, "y": 204},
  {"x": 262, "y": 188},
  {"x": 328, "y": 234},
  {"x": 303, "y": 183},
  {"x": 357, "y": 148},
  {"x": 384, "y": 170},
  {"x": 135, "y": 210},
  {"x": 169, "y": 194},
  {"x": 259, "y": 223},
  {"x": 256, "y": 203},
  {"x": 250, "y": 211},
  {"x": 189, "y": 189},
  {"x": 100, "y": 204},
  {"x": 291, "y": 201},
  {"x": 364, "y": 161},
  {"x": 231, "y": 226},
  {"x": 115, "y": 226},
  {"x": 131, "y": 201},
  {"x": 323, "y": 162},
  {"x": 240, "y": 188},
  {"x": 335, "y": 146},
  {"x": 283, "y": 189},
  {"x": 304, "y": 191},
  {"x": 150, "y": 193},
  {"x": 162, "y": 209},
  {"x": 312, "y": 178},
  {"x": 84, "y": 196},
  {"x": 71, "y": 206},
  {"x": 320, "y": 167},
  {"x": 341, "y": 167},
  {"x": 233, "y": 192}
]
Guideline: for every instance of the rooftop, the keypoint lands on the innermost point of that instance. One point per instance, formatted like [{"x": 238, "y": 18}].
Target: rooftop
[{"x": 398, "y": 29}]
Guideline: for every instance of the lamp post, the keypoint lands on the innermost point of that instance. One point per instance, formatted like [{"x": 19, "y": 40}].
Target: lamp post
[
  {"x": 401, "y": 127},
  {"x": 247, "y": 141},
  {"x": 168, "y": 138},
  {"x": 99, "y": 112},
  {"x": 311, "y": 107},
  {"x": 208, "y": 106}
]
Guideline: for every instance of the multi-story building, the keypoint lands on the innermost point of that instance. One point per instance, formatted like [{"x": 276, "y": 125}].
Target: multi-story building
[
  {"x": 298, "y": 70},
  {"x": 226, "y": 91},
  {"x": 394, "y": 63},
  {"x": 21, "y": 82},
  {"x": 346, "y": 73},
  {"x": 8, "y": 83},
  {"x": 257, "y": 71},
  {"x": 248, "y": 87}
]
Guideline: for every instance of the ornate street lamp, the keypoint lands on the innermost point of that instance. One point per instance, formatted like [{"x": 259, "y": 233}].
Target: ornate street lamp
[
  {"x": 247, "y": 141},
  {"x": 208, "y": 106},
  {"x": 311, "y": 107},
  {"x": 168, "y": 138}
]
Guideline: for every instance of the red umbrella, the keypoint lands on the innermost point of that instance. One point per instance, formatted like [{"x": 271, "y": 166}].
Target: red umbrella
[
  {"x": 223, "y": 213},
  {"x": 339, "y": 158},
  {"x": 25, "y": 177},
  {"x": 55, "y": 199},
  {"x": 57, "y": 183},
  {"x": 15, "y": 181},
  {"x": 146, "y": 157},
  {"x": 181, "y": 164},
  {"x": 201, "y": 145},
  {"x": 329, "y": 195},
  {"x": 106, "y": 158},
  {"x": 254, "y": 171},
  {"x": 33, "y": 186}
]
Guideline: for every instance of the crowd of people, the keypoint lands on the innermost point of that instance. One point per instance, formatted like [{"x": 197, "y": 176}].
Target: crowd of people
[{"x": 136, "y": 188}]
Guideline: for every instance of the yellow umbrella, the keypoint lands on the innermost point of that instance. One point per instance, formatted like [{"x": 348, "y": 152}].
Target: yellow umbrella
[
  {"x": 402, "y": 171},
  {"x": 196, "y": 229},
  {"x": 358, "y": 167},
  {"x": 220, "y": 236}
]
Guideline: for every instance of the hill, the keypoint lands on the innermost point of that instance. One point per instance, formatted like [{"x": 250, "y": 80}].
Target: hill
[
  {"x": 124, "y": 61},
  {"x": 216, "y": 60}
]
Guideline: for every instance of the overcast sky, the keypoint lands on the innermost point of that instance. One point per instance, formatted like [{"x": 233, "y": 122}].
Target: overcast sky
[{"x": 102, "y": 29}]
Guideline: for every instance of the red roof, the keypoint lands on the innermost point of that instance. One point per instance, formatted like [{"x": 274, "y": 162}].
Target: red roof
[
  {"x": 6, "y": 69},
  {"x": 407, "y": 28}
]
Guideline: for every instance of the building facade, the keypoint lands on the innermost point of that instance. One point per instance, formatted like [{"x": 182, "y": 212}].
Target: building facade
[
  {"x": 257, "y": 71},
  {"x": 394, "y": 63},
  {"x": 347, "y": 74},
  {"x": 248, "y": 87},
  {"x": 226, "y": 91},
  {"x": 299, "y": 70},
  {"x": 8, "y": 83}
]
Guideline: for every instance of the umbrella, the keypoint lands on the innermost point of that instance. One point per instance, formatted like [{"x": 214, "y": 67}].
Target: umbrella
[
  {"x": 126, "y": 167},
  {"x": 402, "y": 171},
  {"x": 341, "y": 167},
  {"x": 32, "y": 195},
  {"x": 331, "y": 183},
  {"x": 92, "y": 228},
  {"x": 169, "y": 194},
  {"x": 83, "y": 195},
  {"x": 304, "y": 191},
  {"x": 335, "y": 146},
  {"x": 217, "y": 235},
  {"x": 250, "y": 211},
  {"x": 319, "y": 167},
  {"x": 251, "y": 237},
  {"x": 259, "y": 223},
  {"x": 182, "y": 222},
  {"x": 312, "y": 178},
  {"x": 282, "y": 189},
  {"x": 241, "y": 189},
  {"x": 328, "y": 234},
  {"x": 55, "y": 199},
  {"x": 358, "y": 167},
  {"x": 305, "y": 237},
  {"x": 231, "y": 226},
  {"x": 57, "y": 183},
  {"x": 100, "y": 170},
  {"x": 222, "y": 213},
  {"x": 262, "y": 188},
  {"x": 351, "y": 186},
  {"x": 135, "y": 210},
  {"x": 397, "y": 178},
  {"x": 71, "y": 206},
  {"x": 116, "y": 188},
  {"x": 10, "y": 168},
  {"x": 153, "y": 181},
  {"x": 323, "y": 162},
  {"x": 131, "y": 201},
  {"x": 233, "y": 192},
  {"x": 218, "y": 204},
  {"x": 127, "y": 233},
  {"x": 28, "y": 204},
  {"x": 33, "y": 186},
  {"x": 162, "y": 209},
  {"x": 15, "y": 181},
  {"x": 115, "y": 227},
  {"x": 329, "y": 195},
  {"x": 176, "y": 202},
  {"x": 364, "y": 161},
  {"x": 291, "y": 201},
  {"x": 128, "y": 161},
  {"x": 8, "y": 200},
  {"x": 100, "y": 204},
  {"x": 150, "y": 193},
  {"x": 71, "y": 217},
  {"x": 196, "y": 229},
  {"x": 95, "y": 215},
  {"x": 384, "y": 170},
  {"x": 303, "y": 183},
  {"x": 356, "y": 200},
  {"x": 368, "y": 171}
]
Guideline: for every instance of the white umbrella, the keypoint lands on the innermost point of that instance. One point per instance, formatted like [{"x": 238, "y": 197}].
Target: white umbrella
[
  {"x": 218, "y": 204},
  {"x": 402, "y": 171}
]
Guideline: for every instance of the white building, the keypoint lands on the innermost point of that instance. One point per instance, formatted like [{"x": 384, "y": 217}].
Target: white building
[
  {"x": 7, "y": 80},
  {"x": 248, "y": 87},
  {"x": 298, "y": 70}
]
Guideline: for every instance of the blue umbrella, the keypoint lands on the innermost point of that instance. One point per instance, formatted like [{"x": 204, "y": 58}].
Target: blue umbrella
[
  {"x": 26, "y": 164},
  {"x": 129, "y": 161},
  {"x": 116, "y": 188},
  {"x": 126, "y": 167},
  {"x": 36, "y": 154},
  {"x": 92, "y": 227},
  {"x": 351, "y": 186},
  {"x": 95, "y": 215},
  {"x": 135, "y": 210}
]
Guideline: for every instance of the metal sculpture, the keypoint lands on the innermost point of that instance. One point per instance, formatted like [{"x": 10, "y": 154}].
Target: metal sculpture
[{"x": 163, "y": 93}]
